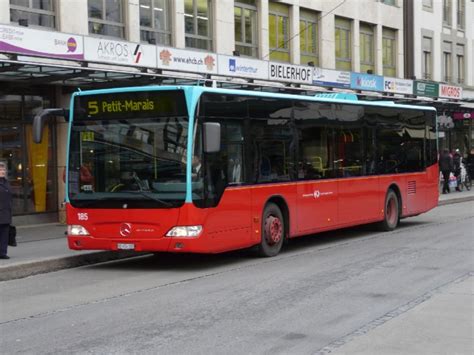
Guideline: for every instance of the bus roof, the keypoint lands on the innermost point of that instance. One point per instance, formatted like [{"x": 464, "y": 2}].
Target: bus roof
[{"x": 198, "y": 90}]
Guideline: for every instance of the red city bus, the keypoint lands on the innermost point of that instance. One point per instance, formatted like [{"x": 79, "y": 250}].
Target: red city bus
[{"x": 206, "y": 170}]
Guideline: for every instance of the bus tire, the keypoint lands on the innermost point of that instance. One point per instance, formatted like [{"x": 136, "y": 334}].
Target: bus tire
[
  {"x": 273, "y": 231},
  {"x": 391, "y": 212}
]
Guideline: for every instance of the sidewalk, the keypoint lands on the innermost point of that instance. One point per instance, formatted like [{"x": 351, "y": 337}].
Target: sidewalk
[
  {"x": 43, "y": 248},
  {"x": 439, "y": 322}
]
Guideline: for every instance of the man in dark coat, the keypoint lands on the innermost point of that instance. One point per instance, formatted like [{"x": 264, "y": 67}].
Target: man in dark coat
[
  {"x": 446, "y": 166},
  {"x": 5, "y": 211},
  {"x": 457, "y": 159}
]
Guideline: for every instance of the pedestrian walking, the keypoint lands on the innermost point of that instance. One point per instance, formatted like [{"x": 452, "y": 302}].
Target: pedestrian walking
[
  {"x": 457, "y": 161},
  {"x": 446, "y": 167},
  {"x": 5, "y": 211}
]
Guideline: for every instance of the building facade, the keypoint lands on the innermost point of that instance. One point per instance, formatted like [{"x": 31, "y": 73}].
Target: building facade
[
  {"x": 442, "y": 52},
  {"x": 50, "y": 48}
]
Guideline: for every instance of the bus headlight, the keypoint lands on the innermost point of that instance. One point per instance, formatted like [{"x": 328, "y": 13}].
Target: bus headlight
[
  {"x": 76, "y": 230},
  {"x": 184, "y": 231}
]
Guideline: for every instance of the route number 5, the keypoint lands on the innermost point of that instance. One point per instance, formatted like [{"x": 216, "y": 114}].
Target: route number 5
[{"x": 93, "y": 107}]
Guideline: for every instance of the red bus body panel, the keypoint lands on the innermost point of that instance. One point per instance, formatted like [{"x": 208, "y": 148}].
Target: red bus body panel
[{"x": 313, "y": 206}]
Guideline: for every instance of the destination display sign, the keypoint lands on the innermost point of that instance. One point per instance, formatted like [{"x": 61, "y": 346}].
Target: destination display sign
[{"x": 138, "y": 104}]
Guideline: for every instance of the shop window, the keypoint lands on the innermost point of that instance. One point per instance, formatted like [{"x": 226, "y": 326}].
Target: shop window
[
  {"x": 343, "y": 44},
  {"x": 155, "y": 26},
  {"x": 106, "y": 18},
  {"x": 198, "y": 24},
  {"x": 246, "y": 31},
  {"x": 279, "y": 32},
  {"x": 309, "y": 37},
  {"x": 36, "y": 13}
]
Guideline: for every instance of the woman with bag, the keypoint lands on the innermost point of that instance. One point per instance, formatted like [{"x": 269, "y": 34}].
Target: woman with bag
[{"x": 5, "y": 211}]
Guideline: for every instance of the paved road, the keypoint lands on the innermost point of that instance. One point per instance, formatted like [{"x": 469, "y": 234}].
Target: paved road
[{"x": 314, "y": 297}]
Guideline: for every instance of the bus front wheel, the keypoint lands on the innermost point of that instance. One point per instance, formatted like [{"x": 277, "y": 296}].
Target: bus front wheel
[
  {"x": 391, "y": 212},
  {"x": 273, "y": 231}
]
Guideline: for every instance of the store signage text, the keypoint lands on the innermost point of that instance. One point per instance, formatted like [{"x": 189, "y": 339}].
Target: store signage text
[
  {"x": 186, "y": 60},
  {"x": 333, "y": 78},
  {"x": 294, "y": 73},
  {"x": 40, "y": 43},
  {"x": 450, "y": 92},
  {"x": 118, "y": 52},
  {"x": 399, "y": 86},
  {"x": 242, "y": 67},
  {"x": 426, "y": 89},
  {"x": 366, "y": 82}
]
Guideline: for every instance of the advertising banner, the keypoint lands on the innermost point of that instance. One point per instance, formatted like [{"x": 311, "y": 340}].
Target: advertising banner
[
  {"x": 426, "y": 89},
  {"x": 186, "y": 60},
  {"x": 463, "y": 115},
  {"x": 291, "y": 73},
  {"x": 450, "y": 91},
  {"x": 398, "y": 86},
  {"x": 119, "y": 52},
  {"x": 333, "y": 78},
  {"x": 242, "y": 67},
  {"x": 369, "y": 82},
  {"x": 22, "y": 40}
]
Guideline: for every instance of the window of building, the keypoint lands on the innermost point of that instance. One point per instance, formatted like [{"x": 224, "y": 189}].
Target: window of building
[
  {"x": 309, "y": 37},
  {"x": 460, "y": 64},
  {"x": 447, "y": 64},
  {"x": 106, "y": 18},
  {"x": 389, "y": 2},
  {"x": 367, "y": 64},
  {"x": 389, "y": 50},
  {"x": 343, "y": 44},
  {"x": 36, "y": 12},
  {"x": 246, "y": 31},
  {"x": 461, "y": 16},
  {"x": 427, "y": 60},
  {"x": 197, "y": 23},
  {"x": 428, "y": 5},
  {"x": 279, "y": 32},
  {"x": 447, "y": 8},
  {"x": 155, "y": 24}
]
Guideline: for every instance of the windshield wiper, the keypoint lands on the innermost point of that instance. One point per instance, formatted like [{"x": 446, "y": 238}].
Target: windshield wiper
[{"x": 148, "y": 195}]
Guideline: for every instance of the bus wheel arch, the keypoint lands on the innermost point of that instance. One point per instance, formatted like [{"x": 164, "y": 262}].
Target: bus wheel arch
[
  {"x": 392, "y": 208},
  {"x": 275, "y": 226}
]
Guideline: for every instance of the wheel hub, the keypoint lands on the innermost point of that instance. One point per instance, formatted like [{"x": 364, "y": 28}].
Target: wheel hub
[{"x": 273, "y": 230}]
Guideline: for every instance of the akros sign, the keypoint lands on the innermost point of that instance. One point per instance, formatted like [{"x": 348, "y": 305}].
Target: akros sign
[{"x": 118, "y": 52}]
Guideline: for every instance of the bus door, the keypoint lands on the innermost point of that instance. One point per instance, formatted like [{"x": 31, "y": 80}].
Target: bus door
[
  {"x": 358, "y": 184},
  {"x": 317, "y": 188}
]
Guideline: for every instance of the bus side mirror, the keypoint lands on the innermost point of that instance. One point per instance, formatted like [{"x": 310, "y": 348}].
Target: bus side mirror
[
  {"x": 212, "y": 137},
  {"x": 41, "y": 118}
]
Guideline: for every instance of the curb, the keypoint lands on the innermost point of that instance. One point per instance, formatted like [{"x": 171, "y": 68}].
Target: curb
[
  {"x": 456, "y": 200},
  {"x": 18, "y": 271}
]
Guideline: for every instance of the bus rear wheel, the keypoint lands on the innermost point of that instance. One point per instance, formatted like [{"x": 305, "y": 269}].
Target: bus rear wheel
[
  {"x": 273, "y": 231},
  {"x": 391, "y": 212}
]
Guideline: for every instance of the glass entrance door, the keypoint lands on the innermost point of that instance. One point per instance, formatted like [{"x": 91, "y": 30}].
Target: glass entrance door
[{"x": 31, "y": 167}]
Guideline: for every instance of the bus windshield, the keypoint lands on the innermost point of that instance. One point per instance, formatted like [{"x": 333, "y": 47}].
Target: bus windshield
[{"x": 128, "y": 150}]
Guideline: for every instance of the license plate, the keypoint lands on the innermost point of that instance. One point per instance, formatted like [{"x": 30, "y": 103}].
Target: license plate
[{"x": 125, "y": 246}]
